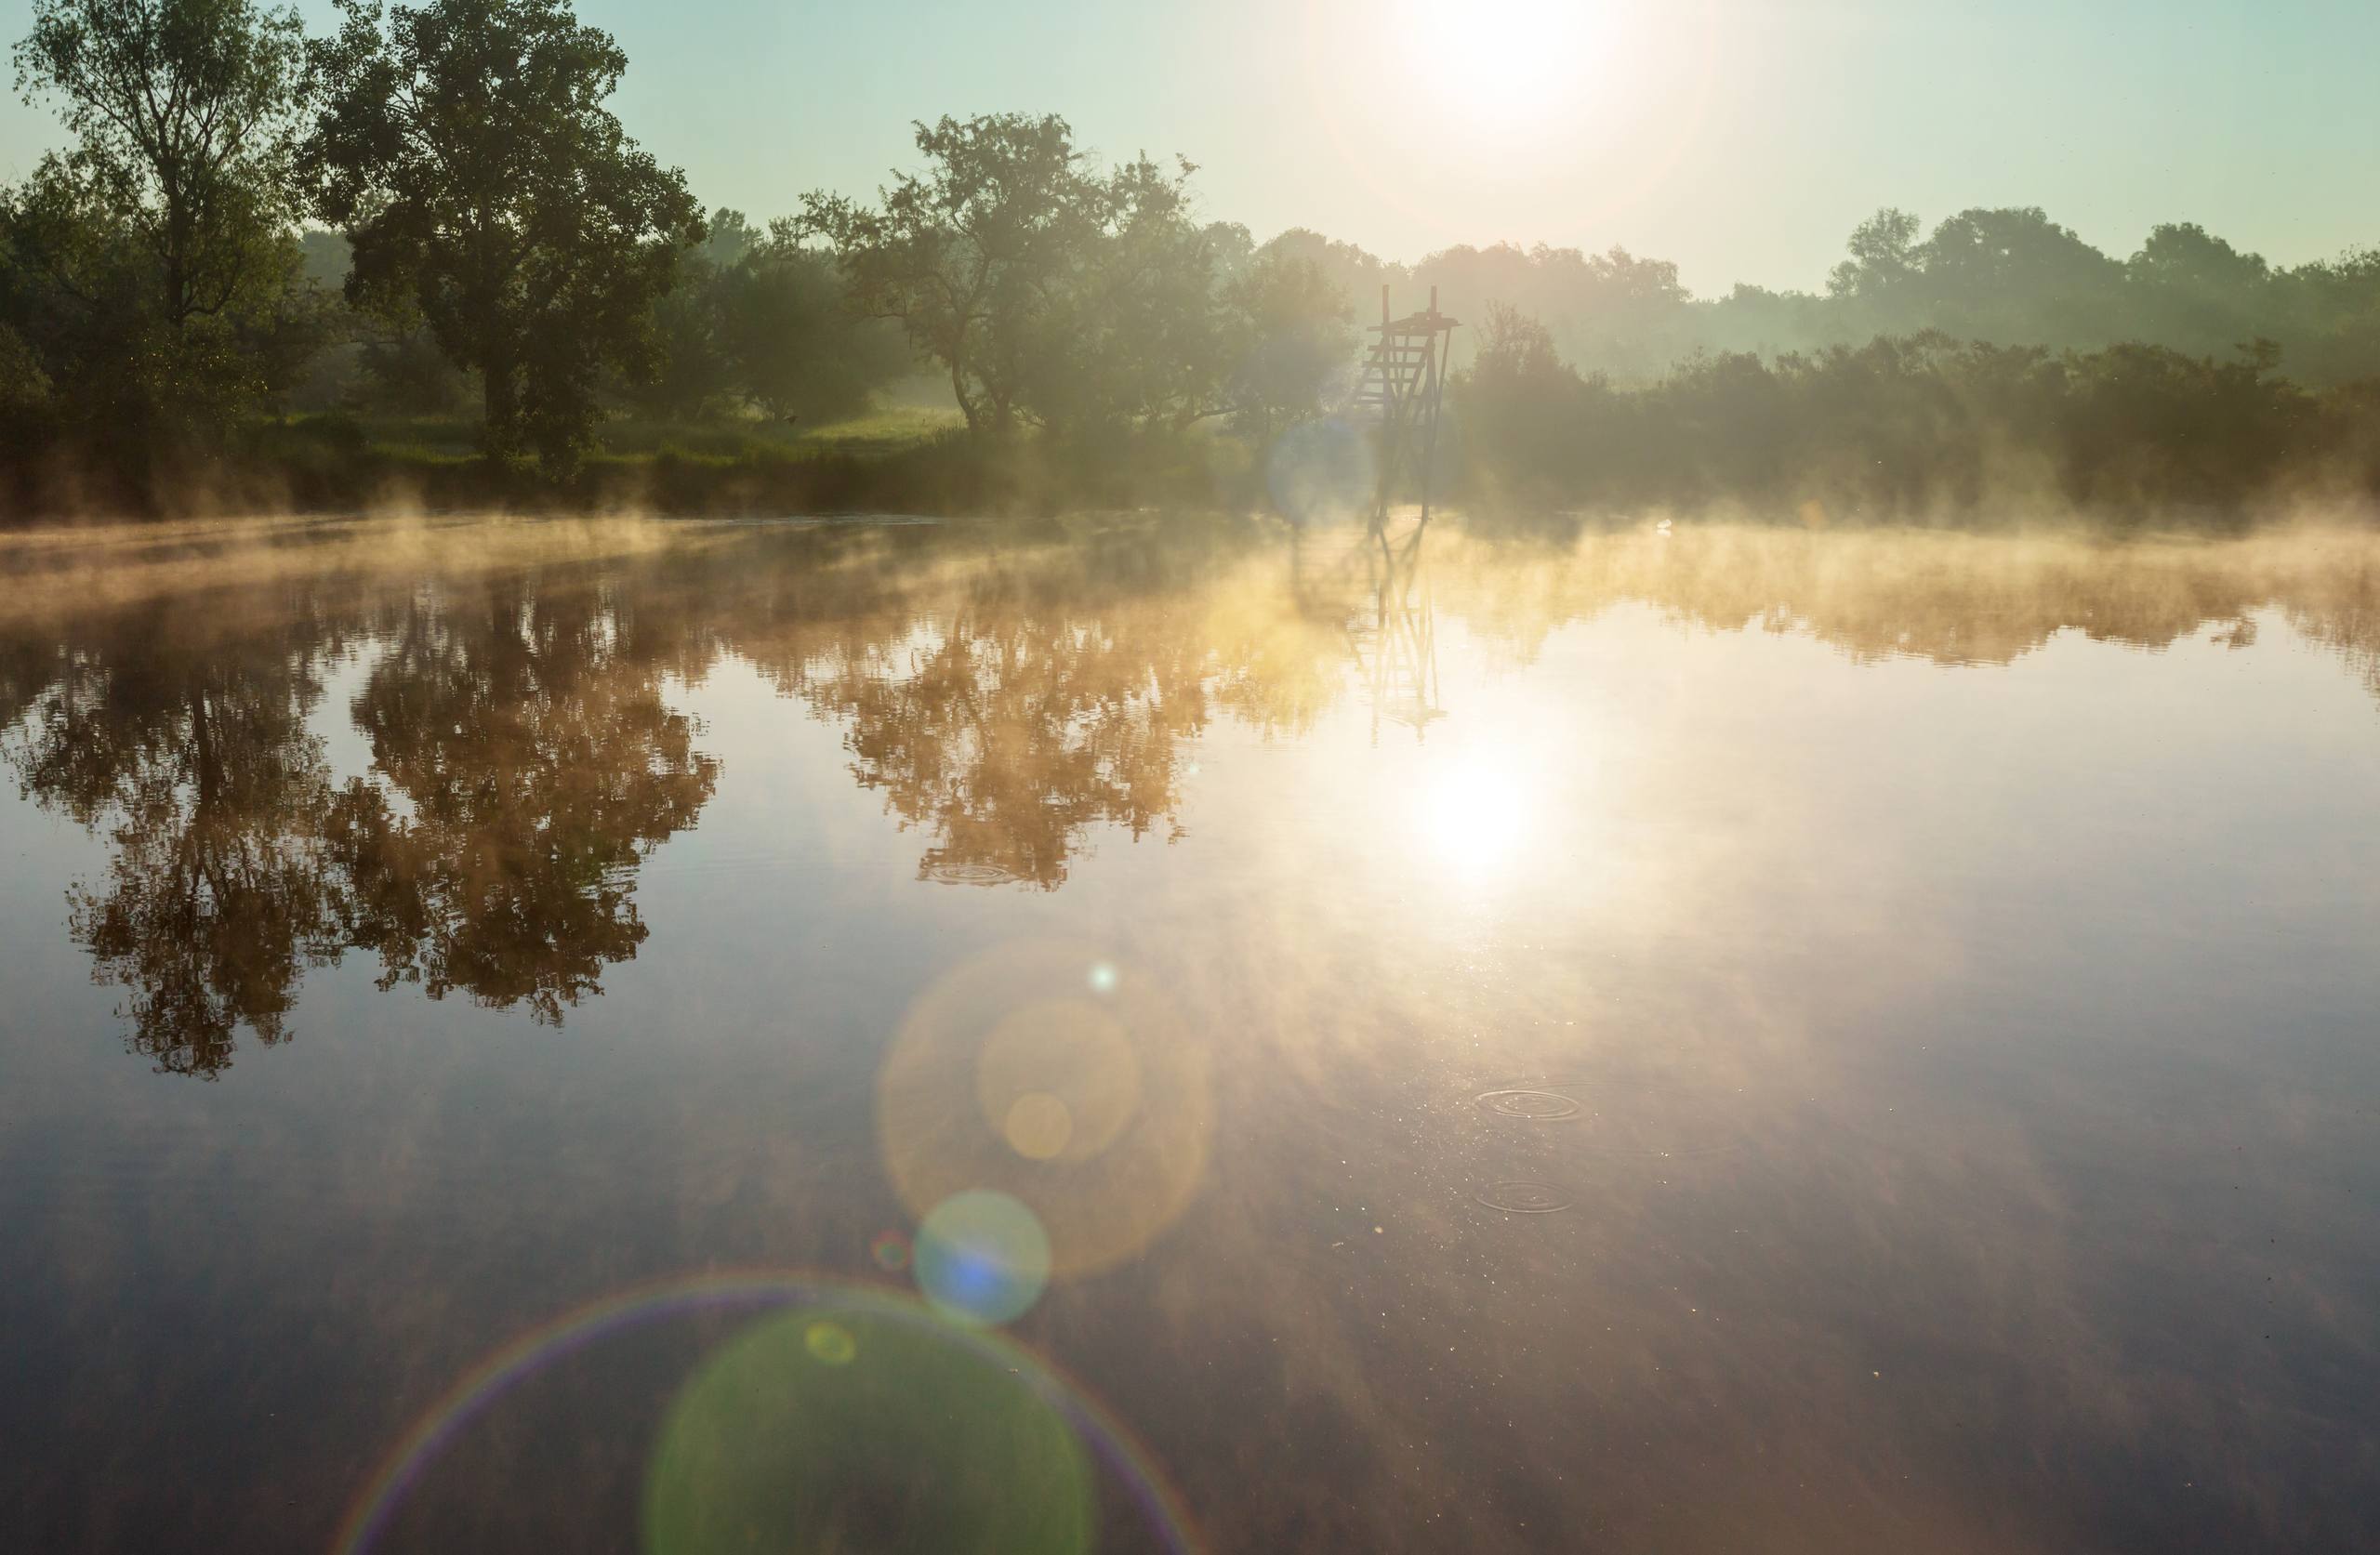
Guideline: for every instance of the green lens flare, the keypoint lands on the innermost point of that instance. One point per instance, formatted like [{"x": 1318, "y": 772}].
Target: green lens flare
[{"x": 838, "y": 1429}]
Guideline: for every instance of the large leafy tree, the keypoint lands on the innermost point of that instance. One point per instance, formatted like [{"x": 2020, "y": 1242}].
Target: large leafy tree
[
  {"x": 151, "y": 275},
  {"x": 1134, "y": 332},
  {"x": 971, "y": 254},
  {"x": 185, "y": 115},
  {"x": 1078, "y": 298},
  {"x": 465, "y": 150}
]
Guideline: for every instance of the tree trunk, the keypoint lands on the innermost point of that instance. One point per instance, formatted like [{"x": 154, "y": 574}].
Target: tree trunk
[
  {"x": 177, "y": 260},
  {"x": 500, "y": 412},
  {"x": 959, "y": 392}
]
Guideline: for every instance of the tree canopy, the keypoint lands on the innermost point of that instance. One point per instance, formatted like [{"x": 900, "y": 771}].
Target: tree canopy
[
  {"x": 186, "y": 115},
  {"x": 465, "y": 150},
  {"x": 149, "y": 280},
  {"x": 1055, "y": 293}
]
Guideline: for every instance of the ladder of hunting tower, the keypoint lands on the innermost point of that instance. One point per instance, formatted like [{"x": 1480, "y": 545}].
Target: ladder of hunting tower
[{"x": 1405, "y": 380}]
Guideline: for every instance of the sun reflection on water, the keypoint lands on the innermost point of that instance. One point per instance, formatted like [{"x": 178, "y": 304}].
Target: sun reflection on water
[{"x": 1476, "y": 814}]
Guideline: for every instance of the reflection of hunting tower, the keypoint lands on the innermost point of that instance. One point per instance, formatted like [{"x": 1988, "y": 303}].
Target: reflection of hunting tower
[
  {"x": 1405, "y": 377},
  {"x": 1373, "y": 592}
]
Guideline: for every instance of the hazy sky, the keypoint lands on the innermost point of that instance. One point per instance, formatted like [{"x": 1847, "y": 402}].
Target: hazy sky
[{"x": 1742, "y": 139}]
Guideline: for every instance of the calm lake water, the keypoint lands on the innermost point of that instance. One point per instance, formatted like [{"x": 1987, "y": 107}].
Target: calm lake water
[{"x": 1739, "y": 1040}]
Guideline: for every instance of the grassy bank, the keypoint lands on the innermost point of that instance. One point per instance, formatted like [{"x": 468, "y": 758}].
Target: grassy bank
[
  {"x": 1921, "y": 430},
  {"x": 901, "y": 460}
]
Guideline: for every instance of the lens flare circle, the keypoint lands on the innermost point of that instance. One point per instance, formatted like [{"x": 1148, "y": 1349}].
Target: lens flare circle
[
  {"x": 420, "y": 1445},
  {"x": 1058, "y": 1078},
  {"x": 983, "y": 1257},
  {"x": 1321, "y": 472},
  {"x": 830, "y": 1343},
  {"x": 888, "y": 1437},
  {"x": 1038, "y": 1125},
  {"x": 972, "y": 1090}
]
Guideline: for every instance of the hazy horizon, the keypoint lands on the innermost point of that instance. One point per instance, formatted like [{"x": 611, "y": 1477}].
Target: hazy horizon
[{"x": 1741, "y": 141}]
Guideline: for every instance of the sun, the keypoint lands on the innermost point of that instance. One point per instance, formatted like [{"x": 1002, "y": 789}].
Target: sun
[{"x": 1510, "y": 66}]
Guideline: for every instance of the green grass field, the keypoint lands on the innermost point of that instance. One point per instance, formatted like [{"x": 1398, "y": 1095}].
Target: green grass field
[{"x": 442, "y": 440}]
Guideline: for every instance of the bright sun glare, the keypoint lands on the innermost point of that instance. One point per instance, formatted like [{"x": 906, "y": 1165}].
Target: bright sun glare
[
  {"x": 1509, "y": 65},
  {"x": 1475, "y": 814}
]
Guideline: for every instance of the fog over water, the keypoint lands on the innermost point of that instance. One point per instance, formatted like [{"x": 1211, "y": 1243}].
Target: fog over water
[{"x": 1188, "y": 1038}]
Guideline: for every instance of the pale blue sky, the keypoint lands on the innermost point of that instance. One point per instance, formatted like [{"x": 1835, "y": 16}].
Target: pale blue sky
[{"x": 1742, "y": 139}]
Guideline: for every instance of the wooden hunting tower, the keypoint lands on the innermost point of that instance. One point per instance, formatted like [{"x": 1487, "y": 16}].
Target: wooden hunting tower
[{"x": 1405, "y": 377}]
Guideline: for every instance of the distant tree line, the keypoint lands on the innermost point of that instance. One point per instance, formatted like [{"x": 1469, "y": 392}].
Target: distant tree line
[
  {"x": 1910, "y": 425},
  {"x": 2012, "y": 277},
  {"x": 431, "y": 211}
]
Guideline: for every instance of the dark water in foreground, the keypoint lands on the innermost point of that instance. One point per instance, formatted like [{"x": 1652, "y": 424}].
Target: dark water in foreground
[{"x": 1731, "y": 1042}]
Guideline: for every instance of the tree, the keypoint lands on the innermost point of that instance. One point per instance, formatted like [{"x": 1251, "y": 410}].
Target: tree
[
  {"x": 1357, "y": 275},
  {"x": 2194, "y": 290},
  {"x": 1054, "y": 293},
  {"x": 794, "y": 345},
  {"x": 464, "y": 148},
  {"x": 688, "y": 373},
  {"x": 185, "y": 115},
  {"x": 1135, "y": 332},
  {"x": 969, "y": 255},
  {"x": 1884, "y": 257},
  {"x": 1531, "y": 424},
  {"x": 758, "y": 320},
  {"x": 2016, "y": 276},
  {"x": 1295, "y": 343},
  {"x": 151, "y": 275}
]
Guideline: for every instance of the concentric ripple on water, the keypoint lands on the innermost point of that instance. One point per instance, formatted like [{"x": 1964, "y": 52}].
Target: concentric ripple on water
[
  {"x": 958, "y": 872},
  {"x": 1537, "y": 1106},
  {"x": 1522, "y": 1198}
]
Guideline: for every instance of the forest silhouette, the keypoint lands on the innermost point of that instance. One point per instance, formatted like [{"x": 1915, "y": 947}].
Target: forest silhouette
[{"x": 291, "y": 270}]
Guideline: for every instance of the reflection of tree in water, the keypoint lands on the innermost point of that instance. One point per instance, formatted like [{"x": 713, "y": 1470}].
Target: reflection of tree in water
[
  {"x": 219, "y": 891},
  {"x": 1006, "y": 729},
  {"x": 1009, "y": 705},
  {"x": 1951, "y": 598},
  {"x": 2346, "y": 619},
  {"x": 1006, "y": 702},
  {"x": 524, "y": 765}
]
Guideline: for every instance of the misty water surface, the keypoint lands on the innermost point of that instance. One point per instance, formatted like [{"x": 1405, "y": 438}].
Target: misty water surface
[{"x": 1732, "y": 1040}]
